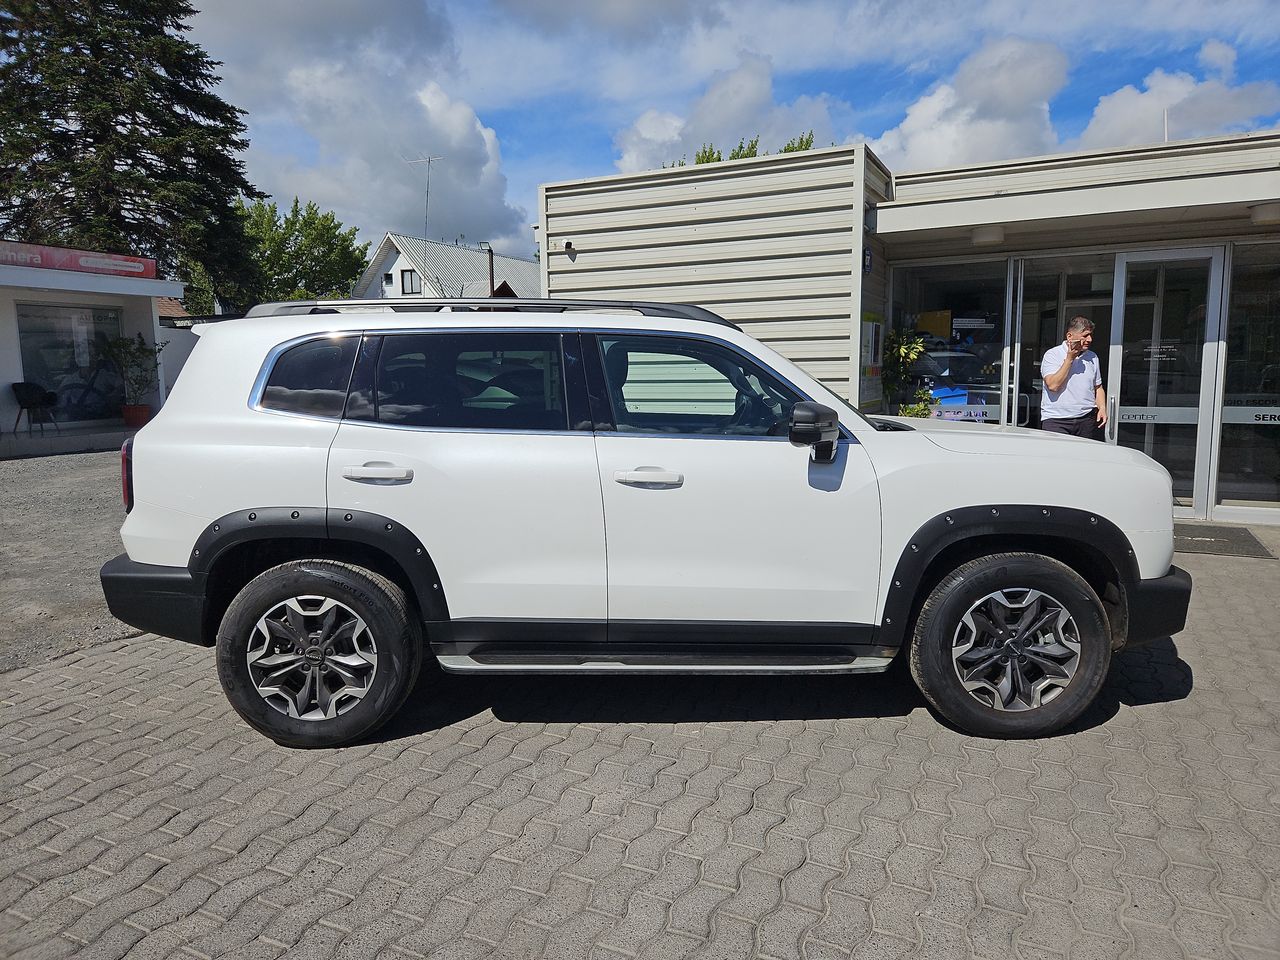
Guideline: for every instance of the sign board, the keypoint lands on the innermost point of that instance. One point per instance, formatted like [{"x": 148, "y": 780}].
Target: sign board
[{"x": 79, "y": 261}]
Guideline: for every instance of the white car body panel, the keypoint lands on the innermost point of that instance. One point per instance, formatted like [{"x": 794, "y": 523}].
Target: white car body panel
[
  {"x": 513, "y": 521},
  {"x": 755, "y": 531}
]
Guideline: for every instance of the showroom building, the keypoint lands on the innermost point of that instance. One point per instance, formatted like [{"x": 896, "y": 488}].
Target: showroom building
[
  {"x": 1173, "y": 250},
  {"x": 57, "y": 307}
]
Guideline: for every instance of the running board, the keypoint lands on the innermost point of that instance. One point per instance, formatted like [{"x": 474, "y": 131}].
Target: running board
[{"x": 460, "y": 663}]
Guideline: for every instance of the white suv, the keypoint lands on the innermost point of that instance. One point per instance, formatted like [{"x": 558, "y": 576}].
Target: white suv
[{"x": 335, "y": 490}]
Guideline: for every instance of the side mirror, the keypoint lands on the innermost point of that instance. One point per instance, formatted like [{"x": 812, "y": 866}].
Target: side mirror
[{"x": 813, "y": 425}]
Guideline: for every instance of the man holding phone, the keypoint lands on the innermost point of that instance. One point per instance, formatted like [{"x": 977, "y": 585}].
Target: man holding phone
[{"x": 1073, "y": 401}]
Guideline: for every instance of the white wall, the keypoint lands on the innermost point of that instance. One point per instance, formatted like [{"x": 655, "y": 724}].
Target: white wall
[{"x": 393, "y": 263}]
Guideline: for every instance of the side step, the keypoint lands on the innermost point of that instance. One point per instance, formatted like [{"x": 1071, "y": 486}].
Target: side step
[{"x": 461, "y": 663}]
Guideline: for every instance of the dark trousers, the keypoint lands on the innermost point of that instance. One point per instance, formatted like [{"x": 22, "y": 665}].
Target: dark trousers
[{"x": 1083, "y": 426}]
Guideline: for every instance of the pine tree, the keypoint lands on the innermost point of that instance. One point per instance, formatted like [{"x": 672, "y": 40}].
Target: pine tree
[{"x": 112, "y": 137}]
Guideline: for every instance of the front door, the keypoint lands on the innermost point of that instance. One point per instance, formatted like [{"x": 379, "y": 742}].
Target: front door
[
  {"x": 1160, "y": 380},
  {"x": 713, "y": 519}
]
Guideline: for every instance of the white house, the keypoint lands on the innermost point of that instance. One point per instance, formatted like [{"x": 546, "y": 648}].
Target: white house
[{"x": 412, "y": 267}]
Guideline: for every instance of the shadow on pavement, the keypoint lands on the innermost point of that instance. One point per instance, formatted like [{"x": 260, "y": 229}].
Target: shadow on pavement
[{"x": 1151, "y": 674}]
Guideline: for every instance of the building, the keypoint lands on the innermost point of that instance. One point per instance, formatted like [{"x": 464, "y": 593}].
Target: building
[
  {"x": 1173, "y": 251},
  {"x": 55, "y": 305},
  {"x": 411, "y": 267}
]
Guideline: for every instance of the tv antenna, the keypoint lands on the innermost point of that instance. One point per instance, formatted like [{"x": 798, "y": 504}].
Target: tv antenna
[{"x": 426, "y": 204}]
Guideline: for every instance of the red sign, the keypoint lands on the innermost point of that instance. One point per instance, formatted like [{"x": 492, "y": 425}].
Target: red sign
[{"x": 81, "y": 261}]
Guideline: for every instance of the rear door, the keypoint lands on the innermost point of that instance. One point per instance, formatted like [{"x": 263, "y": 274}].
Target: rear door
[{"x": 464, "y": 438}]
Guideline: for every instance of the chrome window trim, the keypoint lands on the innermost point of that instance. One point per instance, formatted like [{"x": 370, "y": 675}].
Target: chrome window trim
[
  {"x": 845, "y": 432},
  {"x": 268, "y": 364}
]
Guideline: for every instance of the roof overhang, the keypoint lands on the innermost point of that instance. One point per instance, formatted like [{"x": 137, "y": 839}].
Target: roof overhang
[
  {"x": 72, "y": 281},
  {"x": 1200, "y": 188}
]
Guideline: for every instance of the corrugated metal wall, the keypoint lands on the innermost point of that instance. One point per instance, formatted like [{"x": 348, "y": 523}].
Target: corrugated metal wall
[{"x": 772, "y": 243}]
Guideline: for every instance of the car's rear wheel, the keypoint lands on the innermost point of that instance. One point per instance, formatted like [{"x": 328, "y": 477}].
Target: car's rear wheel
[
  {"x": 1011, "y": 645},
  {"x": 318, "y": 653}
]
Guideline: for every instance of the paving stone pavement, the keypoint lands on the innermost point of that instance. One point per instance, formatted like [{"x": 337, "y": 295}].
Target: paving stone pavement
[{"x": 650, "y": 817}]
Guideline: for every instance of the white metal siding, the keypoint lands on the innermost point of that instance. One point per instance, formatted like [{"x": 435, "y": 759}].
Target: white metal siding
[{"x": 772, "y": 243}]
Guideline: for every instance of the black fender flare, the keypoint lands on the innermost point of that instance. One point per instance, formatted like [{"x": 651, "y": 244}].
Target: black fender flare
[
  {"x": 1091, "y": 530},
  {"x": 317, "y": 523}
]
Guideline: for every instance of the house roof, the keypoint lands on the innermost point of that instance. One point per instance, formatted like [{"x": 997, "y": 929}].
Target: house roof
[
  {"x": 170, "y": 307},
  {"x": 455, "y": 270}
]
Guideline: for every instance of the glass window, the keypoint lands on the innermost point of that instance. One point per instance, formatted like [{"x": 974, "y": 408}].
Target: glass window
[
  {"x": 479, "y": 381},
  {"x": 410, "y": 282},
  {"x": 60, "y": 352},
  {"x": 959, "y": 310},
  {"x": 311, "y": 378},
  {"x": 676, "y": 385},
  {"x": 1249, "y": 458}
]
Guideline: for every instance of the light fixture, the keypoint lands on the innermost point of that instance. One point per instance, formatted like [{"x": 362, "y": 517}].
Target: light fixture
[
  {"x": 1265, "y": 214},
  {"x": 988, "y": 235}
]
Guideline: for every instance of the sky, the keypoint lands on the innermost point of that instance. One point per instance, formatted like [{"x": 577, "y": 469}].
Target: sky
[{"x": 340, "y": 96}]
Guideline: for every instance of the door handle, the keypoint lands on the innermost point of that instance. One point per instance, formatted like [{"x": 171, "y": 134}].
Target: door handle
[
  {"x": 384, "y": 473},
  {"x": 649, "y": 477},
  {"x": 1113, "y": 428}
]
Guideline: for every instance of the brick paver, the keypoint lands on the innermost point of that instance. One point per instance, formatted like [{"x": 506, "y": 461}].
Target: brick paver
[{"x": 650, "y": 817}]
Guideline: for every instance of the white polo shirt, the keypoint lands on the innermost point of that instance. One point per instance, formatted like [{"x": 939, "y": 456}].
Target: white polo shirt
[{"x": 1078, "y": 395}]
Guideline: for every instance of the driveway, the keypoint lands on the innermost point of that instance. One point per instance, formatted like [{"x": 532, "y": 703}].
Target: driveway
[
  {"x": 60, "y": 524},
  {"x": 736, "y": 817}
]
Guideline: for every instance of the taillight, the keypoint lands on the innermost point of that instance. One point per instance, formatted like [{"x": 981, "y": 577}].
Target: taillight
[{"x": 126, "y": 474}]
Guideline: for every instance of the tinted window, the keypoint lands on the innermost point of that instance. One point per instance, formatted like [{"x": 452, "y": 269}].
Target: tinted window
[
  {"x": 311, "y": 378},
  {"x": 676, "y": 385},
  {"x": 486, "y": 381}
]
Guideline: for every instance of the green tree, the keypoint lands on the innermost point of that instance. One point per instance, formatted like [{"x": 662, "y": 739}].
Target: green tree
[
  {"x": 303, "y": 255},
  {"x": 797, "y": 144},
  {"x": 745, "y": 148},
  {"x": 707, "y": 153},
  {"x": 112, "y": 137}
]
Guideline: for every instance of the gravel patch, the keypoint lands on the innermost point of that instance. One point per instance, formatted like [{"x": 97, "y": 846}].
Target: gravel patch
[{"x": 60, "y": 524}]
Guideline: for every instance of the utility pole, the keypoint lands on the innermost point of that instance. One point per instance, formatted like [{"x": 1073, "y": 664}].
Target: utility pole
[{"x": 426, "y": 205}]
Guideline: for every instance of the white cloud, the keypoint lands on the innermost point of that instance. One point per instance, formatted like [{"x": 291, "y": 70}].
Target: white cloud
[
  {"x": 1196, "y": 108},
  {"x": 337, "y": 98},
  {"x": 1220, "y": 58},
  {"x": 736, "y": 104},
  {"x": 996, "y": 107}
]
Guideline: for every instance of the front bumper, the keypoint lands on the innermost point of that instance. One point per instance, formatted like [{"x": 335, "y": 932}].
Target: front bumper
[
  {"x": 169, "y": 601},
  {"x": 1158, "y": 608}
]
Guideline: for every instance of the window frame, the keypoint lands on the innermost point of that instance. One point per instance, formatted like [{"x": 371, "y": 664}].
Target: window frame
[
  {"x": 573, "y": 383},
  {"x": 417, "y": 282},
  {"x": 258, "y": 391},
  {"x": 602, "y": 406}
]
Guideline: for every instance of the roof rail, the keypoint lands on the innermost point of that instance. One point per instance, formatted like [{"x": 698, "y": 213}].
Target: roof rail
[{"x": 686, "y": 311}]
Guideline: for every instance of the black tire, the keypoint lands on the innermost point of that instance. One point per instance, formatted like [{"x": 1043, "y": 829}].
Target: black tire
[
  {"x": 391, "y": 634},
  {"x": 938, "y": 631}
]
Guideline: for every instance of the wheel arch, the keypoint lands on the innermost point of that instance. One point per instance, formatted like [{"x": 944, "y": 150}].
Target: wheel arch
[
  {"x": 239, "y": 546},
  {"x": 1086, "y": 542}
]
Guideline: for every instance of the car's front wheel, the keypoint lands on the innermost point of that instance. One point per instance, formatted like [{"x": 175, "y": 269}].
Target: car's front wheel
[
  {"x": 1011, "y": 645},
  {"x": 318, "y": 653}
]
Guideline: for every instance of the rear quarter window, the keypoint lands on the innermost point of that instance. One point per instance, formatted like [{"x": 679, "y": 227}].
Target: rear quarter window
[{"x": 311, "y": 378}]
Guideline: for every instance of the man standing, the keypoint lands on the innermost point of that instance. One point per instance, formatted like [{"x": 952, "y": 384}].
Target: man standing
[{"x": 1073, "y": 401}]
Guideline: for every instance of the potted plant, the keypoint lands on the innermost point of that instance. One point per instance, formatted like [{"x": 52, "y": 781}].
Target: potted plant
[
  {"x": 901, "y": 350},
  {"x": 138, "y": 364}
]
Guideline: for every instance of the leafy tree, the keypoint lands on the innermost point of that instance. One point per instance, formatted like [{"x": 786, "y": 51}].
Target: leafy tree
[
  {"x": 303, "y": 255},
  {"x": 112, "y": 137},
  {"x": 745, "y": 149},
  {"x": 797, "y": 144},
  {"x": 707, "y": 153}
]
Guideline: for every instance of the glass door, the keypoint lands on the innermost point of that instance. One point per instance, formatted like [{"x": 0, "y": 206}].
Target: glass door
[{"x": 1160, "y": 378}]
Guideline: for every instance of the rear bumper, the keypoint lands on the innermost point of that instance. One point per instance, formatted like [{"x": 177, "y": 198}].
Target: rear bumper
[
  {"x": 165, "y": 600},
  {"x": 1158, "y": 608}
]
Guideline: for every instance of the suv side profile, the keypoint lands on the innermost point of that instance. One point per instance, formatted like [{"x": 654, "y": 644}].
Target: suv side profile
[{"x": 336, "y": 491}]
